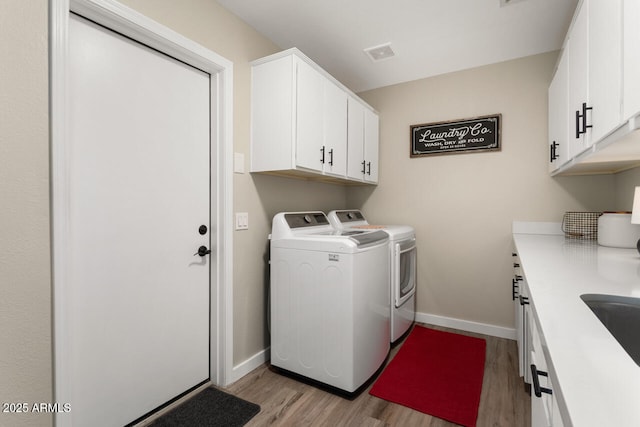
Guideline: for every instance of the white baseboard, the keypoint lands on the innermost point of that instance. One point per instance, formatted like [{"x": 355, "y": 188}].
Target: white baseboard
[
  {"x": 262, "y": 356},
  {"x": 467, "y": 325},
  {"x": 250, "y": 364}
]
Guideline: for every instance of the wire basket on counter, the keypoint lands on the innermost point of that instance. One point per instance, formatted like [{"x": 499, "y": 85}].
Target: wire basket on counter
[{"x": 581, "y": 225}]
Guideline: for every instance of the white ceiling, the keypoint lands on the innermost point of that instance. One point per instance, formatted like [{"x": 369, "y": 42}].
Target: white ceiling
[{"x": 429, "y": 37}]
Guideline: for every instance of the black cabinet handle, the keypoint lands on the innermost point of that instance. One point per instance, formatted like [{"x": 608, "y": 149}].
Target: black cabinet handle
[
  {"x": 523, "y": 300},
  {"x": 582, "y": 118},
  {"x": 516, "y": 265},
  {"x": 536, "y": 382},
  {"x": 331, "y": 157},
  {"x": 514, "y": 289},
  {"x": 553, "y": 149},
  {"x": 363, "y": 166},
  {"x": 369, "y": 168},
  {"x": 322, "y": 158}
]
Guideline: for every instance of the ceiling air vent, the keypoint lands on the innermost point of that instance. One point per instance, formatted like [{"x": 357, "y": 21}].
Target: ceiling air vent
[
  {"x": 379, "y": 53},
  {"x": 504, "y": 3}
]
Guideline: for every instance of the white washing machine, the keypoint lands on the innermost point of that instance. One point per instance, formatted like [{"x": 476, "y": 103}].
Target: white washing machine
[
  {"x": 329, "y": 300},
  {"x": 402, "y": 258}
]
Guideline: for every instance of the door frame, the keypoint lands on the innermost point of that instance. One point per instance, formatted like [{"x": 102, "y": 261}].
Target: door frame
[{"x": 130, "y": 23}]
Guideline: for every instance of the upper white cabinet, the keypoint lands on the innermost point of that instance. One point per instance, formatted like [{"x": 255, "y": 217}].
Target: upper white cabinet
[
  {"x": 371, "y": 129},
  {"x": 362, "y": 142},
  {"x": 577, "y": 51},
  {"x": 595, "y": 61},
  {"x": 605, "y": 66},
  {"x": 559, "y": 115},
  {"x": 321, "y": 122},
  {"x": 600, "y": 64},
  {"x": 631, "y": 55},
  {"x": 304, "y": 123}
]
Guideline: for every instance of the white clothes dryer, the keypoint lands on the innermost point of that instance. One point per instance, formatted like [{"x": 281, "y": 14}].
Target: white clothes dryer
[
  {"x": 329, "y": 300},
  {"x": 403, "y": 268}
]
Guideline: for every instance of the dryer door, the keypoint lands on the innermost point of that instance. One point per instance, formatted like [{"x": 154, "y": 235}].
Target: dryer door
[{"x": 404, "y": 274}]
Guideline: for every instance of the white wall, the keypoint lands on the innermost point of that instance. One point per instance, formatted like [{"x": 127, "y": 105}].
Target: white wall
[{"x": 462, "y": 205}]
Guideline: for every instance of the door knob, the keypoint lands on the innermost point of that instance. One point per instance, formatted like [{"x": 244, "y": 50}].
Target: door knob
[{"x": 202, "y": 251}]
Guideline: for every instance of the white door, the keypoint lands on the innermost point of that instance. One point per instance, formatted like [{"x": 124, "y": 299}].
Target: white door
[{"x": 139, "y": 140}]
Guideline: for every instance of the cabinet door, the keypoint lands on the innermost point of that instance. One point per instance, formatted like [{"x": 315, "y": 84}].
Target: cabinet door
[
  {"x": 605, "y": 61},
  {"x": 544, "y": 408},
  {"x": 355, "y": 140},
  {"x": 272, "y": 120},
  {"x": 309, "y": 119},
  {"x": 559, "y": 115},
  {"x": 527, "y": 324},
  {"x": 578, "y": 51},
  {"x": 541, "y": 406},
  {"x": 335, "y": 130},
  {"x": 631, "y": 40},
  {"x": 371, "y": 137},
  {"x": 520, "y": 326}
]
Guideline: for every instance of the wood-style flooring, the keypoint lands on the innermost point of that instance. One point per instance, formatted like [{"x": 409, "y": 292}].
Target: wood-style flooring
[{"x": 504, "y": 401}]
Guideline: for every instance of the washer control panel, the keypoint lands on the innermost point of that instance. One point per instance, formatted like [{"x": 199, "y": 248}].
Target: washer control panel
[{"x": 306, "y": 219}]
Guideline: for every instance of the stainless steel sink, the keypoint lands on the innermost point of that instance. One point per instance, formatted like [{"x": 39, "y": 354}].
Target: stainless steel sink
[{"x": 621, "y": 316}]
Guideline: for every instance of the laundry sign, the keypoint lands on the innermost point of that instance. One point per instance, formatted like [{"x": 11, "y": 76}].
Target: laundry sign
[{"x": 474, "y": 134}]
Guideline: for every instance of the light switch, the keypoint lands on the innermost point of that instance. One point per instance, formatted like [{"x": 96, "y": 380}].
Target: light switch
[{"x": 242, "y": 220}]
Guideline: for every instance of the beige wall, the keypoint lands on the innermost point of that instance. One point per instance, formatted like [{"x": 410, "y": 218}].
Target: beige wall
[
  {"x": 462, "y": 205},
  {"x": 626, "y": 182},
  {"x": 25, "y": 290}
]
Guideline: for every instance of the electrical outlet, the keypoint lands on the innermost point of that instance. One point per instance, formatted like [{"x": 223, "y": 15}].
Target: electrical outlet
[{"x": 242, "y": 220}]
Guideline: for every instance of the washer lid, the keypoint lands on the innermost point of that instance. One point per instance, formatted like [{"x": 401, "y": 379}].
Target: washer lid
[
  {"x": 368, "y": 238},
  {"x": 359, "y": 237}
]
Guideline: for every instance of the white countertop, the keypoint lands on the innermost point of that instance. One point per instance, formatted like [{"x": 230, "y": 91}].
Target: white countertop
[{"x": 598, "y": 384}]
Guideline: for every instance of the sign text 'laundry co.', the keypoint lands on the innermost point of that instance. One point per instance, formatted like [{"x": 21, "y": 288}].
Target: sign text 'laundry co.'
[{"x": 475, "y": 134}]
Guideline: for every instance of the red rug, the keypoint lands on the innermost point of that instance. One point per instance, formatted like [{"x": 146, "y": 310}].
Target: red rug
[{"x": 438, "y": 373}]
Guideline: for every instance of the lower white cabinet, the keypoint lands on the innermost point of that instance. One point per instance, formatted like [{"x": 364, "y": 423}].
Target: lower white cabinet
[
  {"x": 532, "y": 362},
  {"x": 544, "y": 407},
  {"x": 520, "y": 297}
]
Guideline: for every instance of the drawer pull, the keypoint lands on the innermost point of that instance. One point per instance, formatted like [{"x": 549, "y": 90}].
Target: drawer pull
[
  {"x": 536, "y": 382},
  {"x": 524, "y": 300}
]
